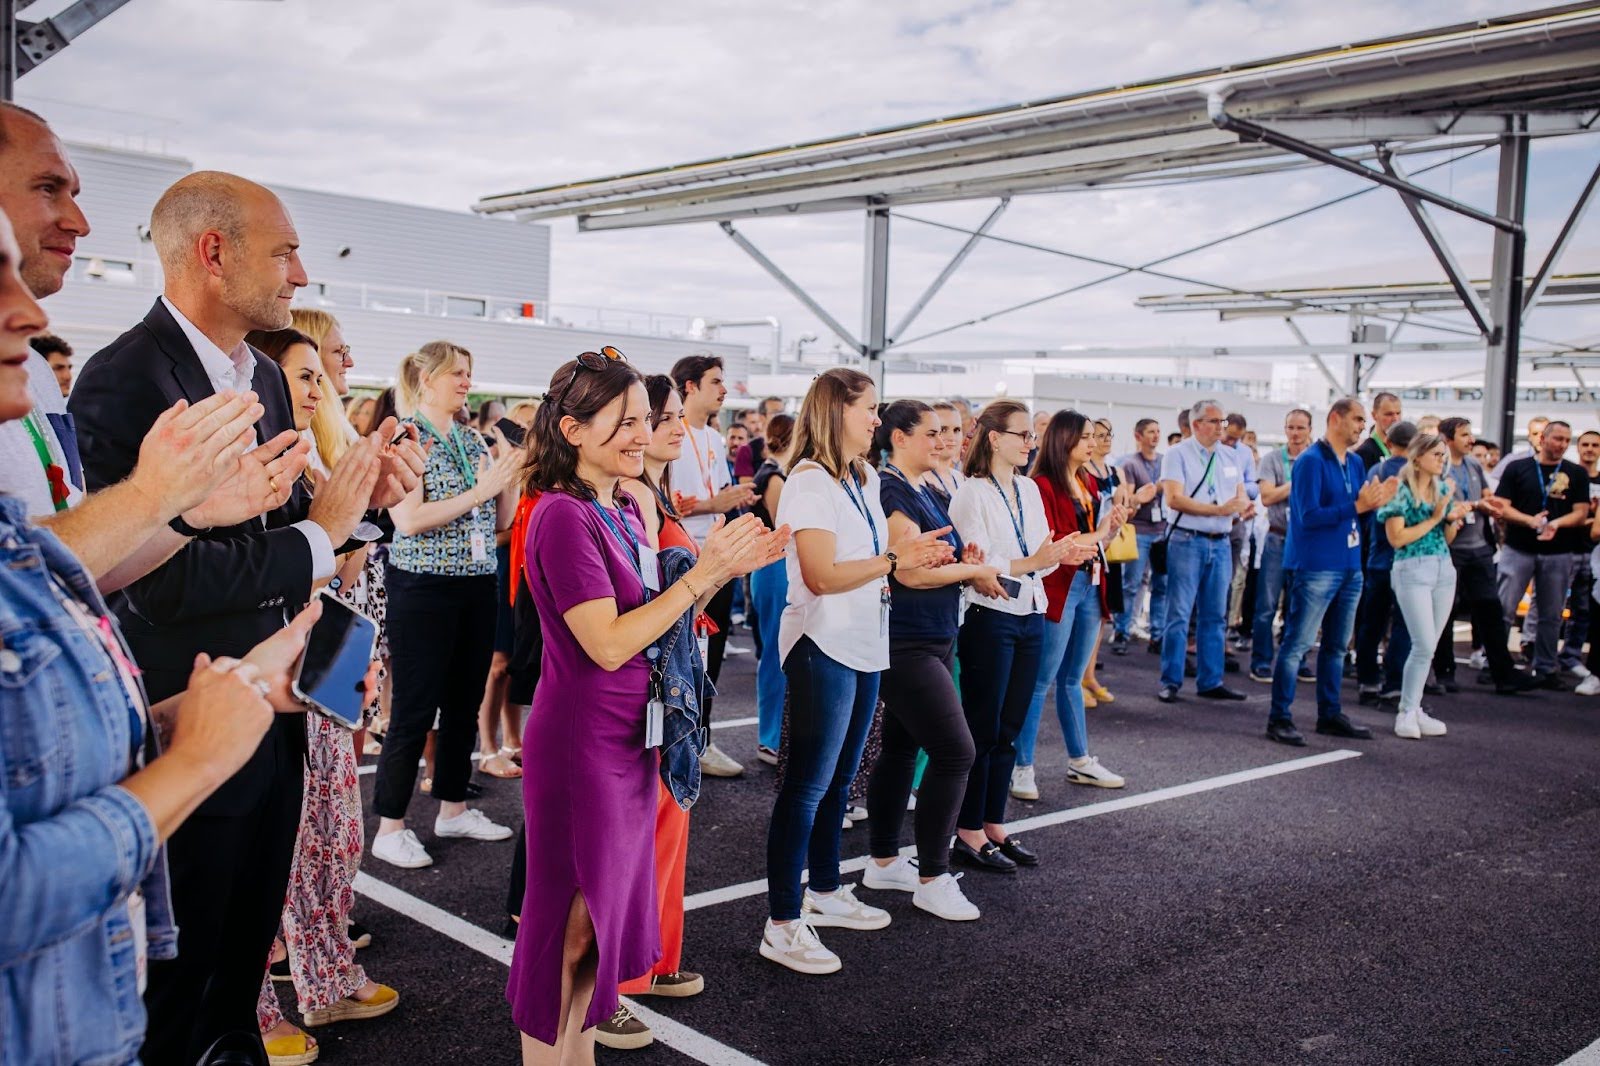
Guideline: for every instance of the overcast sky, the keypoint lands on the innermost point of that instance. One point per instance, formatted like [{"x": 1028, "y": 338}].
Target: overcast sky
[{"x": 443, "y": 103}]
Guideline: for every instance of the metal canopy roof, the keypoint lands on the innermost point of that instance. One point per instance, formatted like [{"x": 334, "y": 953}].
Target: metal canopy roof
[
  {"x": 1563, "y": 290},
  {"x": 1449, "y": 86}
]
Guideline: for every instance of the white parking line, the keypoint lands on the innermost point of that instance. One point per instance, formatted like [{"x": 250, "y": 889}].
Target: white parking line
[
  {"x": 1589, "y": 1056},
  {"x": 675, "y": 1035},
  {"x": 1071, "y": 814}
]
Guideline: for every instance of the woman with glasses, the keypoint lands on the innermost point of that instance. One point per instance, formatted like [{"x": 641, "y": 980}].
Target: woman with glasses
[
  {"x": 769, "y": 591},
  {"x": 1072, "y": 622},
  {"x": 1101, "y": 478},
  {"x": 590, "y": 916},
  {"x": 834, "y": 638},
  {"x": 441, "y": 583},
  {"x": 921, "y": 704},
  {"x": 1000, "y": 511}
]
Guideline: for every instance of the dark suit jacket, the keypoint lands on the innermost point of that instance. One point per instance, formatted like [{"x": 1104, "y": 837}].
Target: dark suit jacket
[{"x": 226, "y": 591}]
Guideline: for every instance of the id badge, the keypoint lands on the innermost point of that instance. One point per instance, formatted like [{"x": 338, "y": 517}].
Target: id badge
[
  {"x": 704, "y": 640},
  {"x": 655, "y": 722},
  {"x": 1354, "y": 539},
  {"x": 1041, "y": 599},
  {"x": 650, "y": 567},
  {"x": 1471, "y": 519},
  {"x": 1094, "y": 575},
  {"x": 883, "y": 611},
  {"x": 141, "y": 939},
  {"x": 359, "y": 593},
  {"x": 480, "y": 547}
]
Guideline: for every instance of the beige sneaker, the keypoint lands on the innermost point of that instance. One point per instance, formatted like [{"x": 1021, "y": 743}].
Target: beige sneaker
[
  {"x": 718, "y": 763},
  {"x": 623, "y": 1031},
  {"x": 796, "y": 946}
]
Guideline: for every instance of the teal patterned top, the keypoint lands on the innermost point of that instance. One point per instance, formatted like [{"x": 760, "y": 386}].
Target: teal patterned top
[
  {"x": 1415, "y": 512},
  {"x": 452, "y": 470}
]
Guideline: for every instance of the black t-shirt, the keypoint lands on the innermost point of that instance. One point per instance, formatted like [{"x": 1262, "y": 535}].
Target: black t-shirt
[
  {"x": 1371, "y": 453},
  {"x": 1554, "y": 489},
  {"x": 764, "y": 475},
  {"x": 920, "y": 614}
]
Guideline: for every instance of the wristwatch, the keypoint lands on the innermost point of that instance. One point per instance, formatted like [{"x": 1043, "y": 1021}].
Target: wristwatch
[
  {"x": 894, "y": 560},
  {"x": 335, "y": 583}
]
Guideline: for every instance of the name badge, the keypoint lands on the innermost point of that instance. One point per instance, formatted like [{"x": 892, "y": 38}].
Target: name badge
[
  {"x": 655, "y": 722},
  {"x": 1471, "y": 519},
  {"x": 704, "y": 640},
  {"x": 883, "y": 611},
  {"x": 1354, "y": 538},
  {"x": 480, "y": 547},
  {"x": 650, "y": 567},
  {"x": 1094, "y": 574},
  {"x": 1041, "y": 601}
]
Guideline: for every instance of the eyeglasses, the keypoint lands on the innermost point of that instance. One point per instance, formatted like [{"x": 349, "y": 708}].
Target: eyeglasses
[
  {"x": 343, "y": 352},
  {"x": 590, "y": 361},
  {"x": 1028, "y": 435},
  {"x": 1209, "y": 421}
]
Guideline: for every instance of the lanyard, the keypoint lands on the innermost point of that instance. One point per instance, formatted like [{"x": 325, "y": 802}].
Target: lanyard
[
  {"x": 1382, "y": 447},
  {"x": 630, "y": 543},
  {"x": 858, "y": 500},
  {"x": 1019, "y": 521},
  {"x": 932, "y": 509},
  {"x": 705, "y": 469},
  {"x": 949, "y": 490},
  {"x": 457, "y": 450},
  {"x": 53, "y": 473},
  {"x": 1344, "y": 469},
  {"x": 1544, "y": 484}
]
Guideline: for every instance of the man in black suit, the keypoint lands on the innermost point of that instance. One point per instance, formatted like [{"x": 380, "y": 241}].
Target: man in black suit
[{"x": 228, "y": 253}]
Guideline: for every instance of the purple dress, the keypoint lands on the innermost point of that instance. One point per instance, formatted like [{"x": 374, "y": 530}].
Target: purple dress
[{"x": 589, "y": 784}]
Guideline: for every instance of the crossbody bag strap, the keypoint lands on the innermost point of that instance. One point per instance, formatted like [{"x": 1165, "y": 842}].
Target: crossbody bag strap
[{"x": 1191, "y": 492}]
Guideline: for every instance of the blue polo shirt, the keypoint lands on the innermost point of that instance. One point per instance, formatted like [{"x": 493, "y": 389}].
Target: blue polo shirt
[{"x": 1323, "y": 531}]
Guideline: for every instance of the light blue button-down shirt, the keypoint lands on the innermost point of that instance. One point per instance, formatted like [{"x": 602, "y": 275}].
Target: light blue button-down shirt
[{"x": 1186, "y": 464}]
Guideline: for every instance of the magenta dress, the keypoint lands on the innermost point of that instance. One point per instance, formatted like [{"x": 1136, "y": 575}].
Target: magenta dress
[{"x": 588, "y": 782}]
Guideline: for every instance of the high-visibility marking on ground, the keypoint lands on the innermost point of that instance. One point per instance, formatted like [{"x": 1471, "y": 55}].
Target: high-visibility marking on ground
[
  {"x": 1072, "y": 814},
  {"x": 732, "y": 723},
  {"x": 675, "y": 1035},
  {"x": 1589, "y": 1056}
]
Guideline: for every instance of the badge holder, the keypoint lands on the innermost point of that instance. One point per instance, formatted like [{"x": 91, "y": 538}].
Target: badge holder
[{"x": 655, "y": 709}]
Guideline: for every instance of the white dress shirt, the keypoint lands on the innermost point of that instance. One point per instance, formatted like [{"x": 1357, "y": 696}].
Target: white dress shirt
[{"x": 991, "y": 521}]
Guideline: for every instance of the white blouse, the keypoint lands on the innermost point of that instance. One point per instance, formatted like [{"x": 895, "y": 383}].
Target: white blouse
[{"x": 985, "y": 516}]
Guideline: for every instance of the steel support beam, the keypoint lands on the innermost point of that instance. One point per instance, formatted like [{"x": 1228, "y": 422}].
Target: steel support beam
[
  {"x": 8, "y": 50},
  {"x": 949, "y": 269},
  {"x": 1506, "y": 292},
  {"x": 1327, "y": 372},
  {"x": 38, "y": 41},
  {"x": 1441, "y": 250},
  {"x": 875, "y": 294},
  {"x": 793, "y": 286},
  {"x": 1574, "y": 219}
]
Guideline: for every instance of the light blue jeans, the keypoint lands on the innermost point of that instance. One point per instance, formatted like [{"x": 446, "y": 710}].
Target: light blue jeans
[
  {"x": 769, "y": 590},
  {"x": 1063, "y": 660},
  {"x": 1425, "y": 588},
  {"x": 1133, "y": 575}
]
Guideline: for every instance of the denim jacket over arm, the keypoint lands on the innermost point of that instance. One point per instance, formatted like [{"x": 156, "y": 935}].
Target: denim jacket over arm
[
  {"x": 73, "y": 844},
  {"x": 684, "y": 689}
]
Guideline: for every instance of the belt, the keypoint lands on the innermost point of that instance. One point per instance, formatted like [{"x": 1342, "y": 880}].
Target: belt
[
  {"x": 1203, "y": 533},
  {"x": 1282, "y": 531}
]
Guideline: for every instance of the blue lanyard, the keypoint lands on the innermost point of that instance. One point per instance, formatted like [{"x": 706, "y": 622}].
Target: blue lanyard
[
  {"x": 1019, "y": 521},
  {"x": 858, "y": 500},
  {"x": 630, "y": 543},
  {"x": 1544, "y": 483},
  {"x": 932, "y": 509}
]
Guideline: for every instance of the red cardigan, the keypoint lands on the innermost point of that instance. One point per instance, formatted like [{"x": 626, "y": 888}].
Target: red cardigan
[{"x": 1059, "y": 513}]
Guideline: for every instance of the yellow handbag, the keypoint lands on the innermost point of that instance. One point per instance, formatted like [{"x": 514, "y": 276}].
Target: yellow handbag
[{"x": 1124, "y": 547}]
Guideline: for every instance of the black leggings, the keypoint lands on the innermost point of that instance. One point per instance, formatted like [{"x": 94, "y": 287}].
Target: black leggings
[
  {"x": 720, "y": 611},
  {"x": 999, "y": 666},
  {"x": 441, "y": 638},
  {"x": 923, "y": 711}
]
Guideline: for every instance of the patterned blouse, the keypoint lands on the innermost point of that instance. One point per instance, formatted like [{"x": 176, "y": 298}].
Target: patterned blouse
[
  {"x": 452, "y": 470},
  {"x": 1415, "y": 512}
]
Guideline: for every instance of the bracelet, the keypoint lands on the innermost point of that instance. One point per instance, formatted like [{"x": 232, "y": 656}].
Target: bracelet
[{"x": 684, "y": 580}]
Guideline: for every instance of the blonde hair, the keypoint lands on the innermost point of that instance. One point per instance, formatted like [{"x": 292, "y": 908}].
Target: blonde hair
[
  {"x": 430, "y": 359},
  {"x": 1412, "y": 474},
  {"x": 522, "y": 407},
  {"x": 820, "y": 426},
  {"x": 330, "y": 425}
]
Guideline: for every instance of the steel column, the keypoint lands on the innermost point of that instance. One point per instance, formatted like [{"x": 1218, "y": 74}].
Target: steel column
[
  {"x": 875, "y": 295},
  {"x": 8, "y": 50},
  {"x": 1506, "y": 291}
]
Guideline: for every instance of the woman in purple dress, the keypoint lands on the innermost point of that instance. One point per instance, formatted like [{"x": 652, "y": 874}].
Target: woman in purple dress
[{"x": 589, "y": 916}]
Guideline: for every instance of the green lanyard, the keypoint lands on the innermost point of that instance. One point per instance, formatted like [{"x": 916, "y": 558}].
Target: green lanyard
[
  {"x": 1382, "y": 447},
  {"x": 457, "y": 450},
  {"x": 52, "y": 472}
]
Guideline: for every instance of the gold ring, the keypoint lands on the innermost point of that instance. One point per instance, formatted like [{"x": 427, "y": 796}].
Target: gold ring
[{"x": 272, "y": 483}]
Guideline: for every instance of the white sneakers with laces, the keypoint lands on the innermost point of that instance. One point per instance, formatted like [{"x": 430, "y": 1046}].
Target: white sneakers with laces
[
  {"x": 1429, "y": 725},
  {"x": 943, "y": 898},
  {"x": 899, "y": 876},
  {"x": 796, "y": 946},
  {"x": 1023, "y": 785},
  {"x": 1589, "y": 686},
  {"x": 401, "y": 849},
  {"x": 717, "y": 763},
  {"x": 1088, "y": 771},
  {"x": 840, "y": 909},
  {"x": 471, "y": 824},
  {"x": 1414, "y": 725}
]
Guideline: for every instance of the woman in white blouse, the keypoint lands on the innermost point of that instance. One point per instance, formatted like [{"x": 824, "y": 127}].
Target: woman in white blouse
[
  {"x": 834, "y": 638},
  {"x": 1000, "y": 511}
]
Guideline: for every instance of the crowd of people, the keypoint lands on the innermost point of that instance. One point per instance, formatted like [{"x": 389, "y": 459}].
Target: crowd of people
[{"x": 555, "y": 587}]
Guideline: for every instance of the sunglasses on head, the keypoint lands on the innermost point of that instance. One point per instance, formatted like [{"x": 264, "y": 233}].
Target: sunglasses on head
[{"x": 590, "y": 361}]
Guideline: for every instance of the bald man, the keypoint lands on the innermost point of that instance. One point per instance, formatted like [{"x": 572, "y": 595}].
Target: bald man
[{"x": 229, "y": 254}]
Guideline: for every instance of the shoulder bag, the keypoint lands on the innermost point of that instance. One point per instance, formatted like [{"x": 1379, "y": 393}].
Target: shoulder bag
[{"x": 1158, "y": 550}]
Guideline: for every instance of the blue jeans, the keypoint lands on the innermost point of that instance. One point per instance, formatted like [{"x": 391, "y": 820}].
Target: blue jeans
[
  {"x": 1425, "y": 588},
  {"x": 1199, "y": 569},
  {"x": 999, "y": 665},
  {"x": 1133, "y": 575},
  {"x": 769, "y": 590},
  {"x": 1271, "y": 580},
  {"x": 1325, "y": 601},
  {"x": 1068, "y": 643},
  {"x": 830, "y": 714}
]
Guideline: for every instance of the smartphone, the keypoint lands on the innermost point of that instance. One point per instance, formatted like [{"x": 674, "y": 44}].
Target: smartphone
[
  {"x": 512, "y": 432},
  {"x": 405, "y": 431},
  {"x": 335, "y": 662},
  {"x": 1012, "y": 586}
]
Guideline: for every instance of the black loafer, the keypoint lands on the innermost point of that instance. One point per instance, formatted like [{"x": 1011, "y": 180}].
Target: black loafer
[
  {"x": 1119, "y": 645},
  {"x": 1221, "y": 692},
  {"x": 1013, "y": 849},
  {"x": 1168, "y": 694},
  {"x": 989, "y": 858},
  {"x": 1306, "y": 674},
  {"x": 1551, "y": 682},
  {"x": 1285, "y": 733},
  {"x": 1340, "y": 726},
  {"x": 1154, "y": 647}
]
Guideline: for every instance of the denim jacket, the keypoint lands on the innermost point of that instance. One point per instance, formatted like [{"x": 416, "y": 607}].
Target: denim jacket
[
  {"x": 684, "y": 686},
  {"x": 73, "y": 844}
]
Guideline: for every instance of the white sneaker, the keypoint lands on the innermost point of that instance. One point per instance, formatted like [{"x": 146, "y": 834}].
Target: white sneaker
[
  {"x": 718, "y": 763},
  {"x": 848, "y": 824},
  {"x": 911, "y": 804},
  {"x": 856, "y": 814},
  {"x": 1407, "y": 726},
  {"x": 1579, "y": 670},
  {"x": 1090, "y": 772},
  {"x": 1429, "y": 725},
  {"x": 1023, "y": 786},
  {"x": 796, "y": 946},
  {"x": 1589, "y": 686},
  {"x": 472, "y": 824},
  {"x": 401, "y": 849},
  {"x": 842, "y": 910},
  {"x": 1478, "y": 660},
  {"x": 766, "y": 755},
  {"x": 899, "y": 876},
  {"x": 942, "y": 898},
  {"x": 732, "y": 649}
]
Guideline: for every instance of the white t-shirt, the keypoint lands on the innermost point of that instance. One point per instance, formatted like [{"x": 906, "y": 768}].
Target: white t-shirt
[
  {"x": 986, "y": 518},
  {"x": 701, "y": 471},
  {"x": 20, "y": 473},
  {"x": 850, "y": 628}
]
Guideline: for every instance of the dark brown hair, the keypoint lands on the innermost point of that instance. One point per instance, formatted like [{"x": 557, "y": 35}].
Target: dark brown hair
[
  {"x": 275, "y": 343},
  {"x": 780, "y": 431},
  {"x": 691, "y": 368},
  {"x": 659, "y": 387},
  {"x": 552, "y": 463},
  {"x": 992, "y": 419},
  {"x": 902, "y": 415},
  {"x": 1054, "y": 462}
]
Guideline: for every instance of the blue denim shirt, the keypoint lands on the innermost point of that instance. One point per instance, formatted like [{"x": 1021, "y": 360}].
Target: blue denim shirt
[
  {"x": 73, "y": 845},
  {"x": 684, "y": 688}
]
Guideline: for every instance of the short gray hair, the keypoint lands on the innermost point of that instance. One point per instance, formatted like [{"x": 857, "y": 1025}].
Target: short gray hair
[
  {"x": 198, "y": 202},
  {"x": 1199, "y": 408}
]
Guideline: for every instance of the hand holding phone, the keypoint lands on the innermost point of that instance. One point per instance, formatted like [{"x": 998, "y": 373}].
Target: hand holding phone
[{"x": 333, "y": 671}]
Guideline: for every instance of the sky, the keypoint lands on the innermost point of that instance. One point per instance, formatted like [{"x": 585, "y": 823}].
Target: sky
[{"x": 441, "y": 104}]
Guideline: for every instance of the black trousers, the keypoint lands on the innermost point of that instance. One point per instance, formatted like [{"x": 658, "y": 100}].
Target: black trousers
[
  {"x": 1377, "y": 612},
  {"x": 1477, "y": 593},
  {"x": 441, "y": 638},
  {"x": 230, "y": 874},
  {"x": 720, "y": 610},
  {"x": 922, "y": 710},
  {"x": 999, "y": 666}
]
